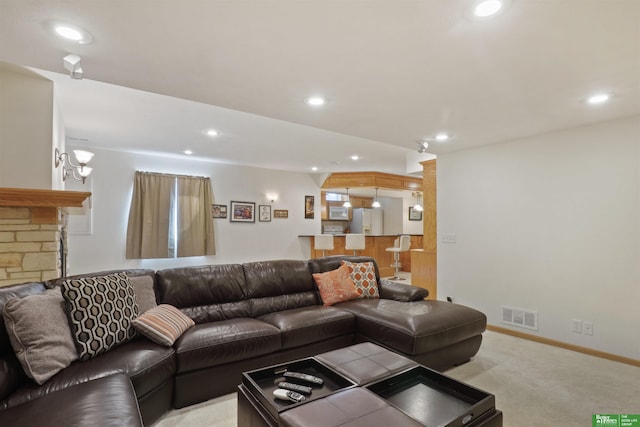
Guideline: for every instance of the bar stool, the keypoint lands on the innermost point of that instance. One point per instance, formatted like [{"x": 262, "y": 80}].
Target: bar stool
[
  {"x": 404, "y": 243},
  {"x": 323, "y": 242},
  {"x": 355, "y": 242}
]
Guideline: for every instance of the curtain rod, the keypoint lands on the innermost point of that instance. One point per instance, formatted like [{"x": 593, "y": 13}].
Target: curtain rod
[{"x": 172, "y": 174}]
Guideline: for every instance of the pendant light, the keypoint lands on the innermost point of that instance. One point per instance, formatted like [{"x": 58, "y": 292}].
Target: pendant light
[
  {"x": 376, "y": 203},
  {"x": 418, "y": 206},
  {"x": 347, "y": 204}
]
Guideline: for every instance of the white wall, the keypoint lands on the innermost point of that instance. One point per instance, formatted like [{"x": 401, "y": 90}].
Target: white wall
[
  {"x": 112, "y": 181},
  {"x": 26, "y": 117},
  {"x": 549, "y": 223}
]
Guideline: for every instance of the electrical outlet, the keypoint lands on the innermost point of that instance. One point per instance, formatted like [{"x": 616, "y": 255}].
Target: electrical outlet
[
  {"x": 577, "y": 326},
  {"x": 588, "y": 328}
]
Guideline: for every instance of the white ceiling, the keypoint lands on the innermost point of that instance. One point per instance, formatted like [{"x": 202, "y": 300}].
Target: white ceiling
[{"x": 393, "y": 71}]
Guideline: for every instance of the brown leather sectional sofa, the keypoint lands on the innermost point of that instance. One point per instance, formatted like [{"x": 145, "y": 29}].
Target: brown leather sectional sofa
[{"x": 247, "y": 316}]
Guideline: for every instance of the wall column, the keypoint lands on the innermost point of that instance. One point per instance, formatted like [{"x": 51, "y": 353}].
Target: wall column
[{"x": 424, "y": 261}]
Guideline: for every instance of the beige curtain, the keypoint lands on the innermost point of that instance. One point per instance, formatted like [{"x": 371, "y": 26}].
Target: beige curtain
[
  {"x": 149, "y": 216},
  {"x": 195, "y": 226}
]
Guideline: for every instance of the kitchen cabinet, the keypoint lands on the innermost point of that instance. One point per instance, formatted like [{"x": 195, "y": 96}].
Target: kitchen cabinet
[
  {"x": 361, "y": 202},
  {"x": 324, "y": 210}
]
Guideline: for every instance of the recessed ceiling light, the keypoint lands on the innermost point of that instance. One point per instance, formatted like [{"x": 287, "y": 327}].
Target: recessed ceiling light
[
  {"x": 487, "y": 8},
  {"x": 355, "y": 157},
  {"x": 188, "y": 152},
  {"x": 213, "y": 132},
  {"x": 70, "y": 32},
  {"x": 314, "y": 168},
  {"x": 315, "y": 101},
  {"x": 442, "y": 137},
  {"x": 598, "y": 98}
]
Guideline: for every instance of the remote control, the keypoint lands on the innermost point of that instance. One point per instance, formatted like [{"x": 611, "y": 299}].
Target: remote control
[
  {"x": 288, "y": 395},
  {"x": 295, "y": 387},
  {"x": 303, "y": 377}
]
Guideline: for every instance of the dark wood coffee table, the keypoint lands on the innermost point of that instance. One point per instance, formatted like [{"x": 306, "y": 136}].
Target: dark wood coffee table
[{"x": 368, "y": 383}]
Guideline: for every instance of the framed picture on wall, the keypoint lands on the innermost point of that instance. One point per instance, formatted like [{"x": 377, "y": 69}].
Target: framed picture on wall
[
  {"x": 414, "y": 215},
  {"x": 243, "y": 212},
  {"x": 264, "y": 213},
  {"x": 218, "y": 211},
  {"x": 281, "y": 213},
  {"x": 309, "y": 207}
]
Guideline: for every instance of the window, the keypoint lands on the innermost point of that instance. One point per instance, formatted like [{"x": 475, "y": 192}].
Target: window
[{"x": 170, "y": 217}]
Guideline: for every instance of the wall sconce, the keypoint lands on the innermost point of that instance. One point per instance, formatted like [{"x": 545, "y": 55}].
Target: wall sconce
[
  {"x": 272, "y": 197},
  {"x": 418, "y": 206},
  {"x": 80, "y": 171}
]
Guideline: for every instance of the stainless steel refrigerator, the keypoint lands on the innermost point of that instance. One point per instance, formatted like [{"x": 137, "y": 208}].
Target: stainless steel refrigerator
[{"x": 367, "y": 221}]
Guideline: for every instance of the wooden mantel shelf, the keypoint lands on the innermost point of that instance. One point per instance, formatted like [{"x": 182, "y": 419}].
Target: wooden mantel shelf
[{"x": 29, "y": 197}]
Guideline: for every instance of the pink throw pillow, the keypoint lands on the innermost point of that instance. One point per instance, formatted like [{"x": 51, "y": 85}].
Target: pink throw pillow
[{"x": 336, "y": 286}]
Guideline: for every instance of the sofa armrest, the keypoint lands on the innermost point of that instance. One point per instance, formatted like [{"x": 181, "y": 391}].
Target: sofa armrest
[
  {"x": 401, "y": 292},
  {"x": 105, "y": 402}
]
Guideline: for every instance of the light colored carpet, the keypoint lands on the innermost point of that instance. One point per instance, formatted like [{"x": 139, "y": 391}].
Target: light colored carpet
[{"x": 534, "y": 384}]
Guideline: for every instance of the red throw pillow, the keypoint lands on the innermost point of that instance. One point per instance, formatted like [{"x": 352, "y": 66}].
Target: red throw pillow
[
  {"x": 363, "y": 275},
  {"x": 335, "y": 286}
]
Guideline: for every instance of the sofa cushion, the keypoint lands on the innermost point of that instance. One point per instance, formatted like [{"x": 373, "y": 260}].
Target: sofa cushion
[
  {"x": 279, "y": 285},
  {"x": 39, "y": 332},
  {"x": 163, "y": 324},
  {"x": 336, "y": 286},
  {"x": 205, "y": 293},
  {"x": 146, "y": 363},
  {"x": 108, "y": 401},
  {"x": 216, "y": 343},
  {"x": 307, "y": 325},
  {"x": 100, "y": 310},
  {"x": 145, "y": 294},
  {"x": 363, "y": 275},
  {"x": 416, "y": 327}
]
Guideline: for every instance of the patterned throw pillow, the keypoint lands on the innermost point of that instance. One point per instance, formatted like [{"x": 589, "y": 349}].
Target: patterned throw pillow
[
  {"x": 336, "y": 286},
  {"x": 363, "y": 275},
  {"x": 163, "y": 324},
  {"x": 100, "y": 311}
]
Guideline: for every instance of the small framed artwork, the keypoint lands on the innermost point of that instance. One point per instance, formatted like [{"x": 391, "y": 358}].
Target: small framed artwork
[
  {"x": 309, "y": 207},
  {"x": 243, "y": 212},
  {"x": 218, "y": 211},
  {"x": 280, "y": 213},
  {"x": 264, "y": 213},
  {"x": 414, "y": 215}
]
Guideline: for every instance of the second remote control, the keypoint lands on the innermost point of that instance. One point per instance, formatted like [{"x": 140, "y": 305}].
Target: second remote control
[
  {"x": 295, "y": 387},
  {"x": 303, "y": 377}
]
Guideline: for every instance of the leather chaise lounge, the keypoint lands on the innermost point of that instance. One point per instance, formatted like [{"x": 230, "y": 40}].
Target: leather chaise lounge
[{"x": 246, "y": 316}]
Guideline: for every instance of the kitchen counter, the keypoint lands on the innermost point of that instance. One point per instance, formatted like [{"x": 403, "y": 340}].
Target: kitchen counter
[{"x": 375, "y": 247}]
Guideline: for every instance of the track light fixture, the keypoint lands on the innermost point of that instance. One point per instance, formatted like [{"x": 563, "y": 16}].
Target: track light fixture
[
  {"x": 80, "y": 171},
  {"x": 72, "y": 64}
]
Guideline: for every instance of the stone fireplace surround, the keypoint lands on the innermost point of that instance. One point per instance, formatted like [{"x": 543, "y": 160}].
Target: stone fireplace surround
[{"x": 30, "y": 227}]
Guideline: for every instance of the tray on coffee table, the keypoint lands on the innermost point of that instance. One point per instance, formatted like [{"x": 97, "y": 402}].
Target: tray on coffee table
[
  {"x": 434, "y": 399},
  {"x": 262, "y": 382}
]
